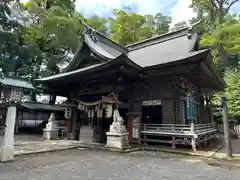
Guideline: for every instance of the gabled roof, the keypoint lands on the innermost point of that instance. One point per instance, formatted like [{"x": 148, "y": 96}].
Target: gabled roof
[
  {"x": 100, "y": 45},
  {"x": 166, "y": 48},
  {"x": 177, "y": 47},
  {"x": 169, "y": 47},
  {"x": 122, "y": 59},
  {"x": 16, "y": 82},
  {"x": 40, "y": 106}
]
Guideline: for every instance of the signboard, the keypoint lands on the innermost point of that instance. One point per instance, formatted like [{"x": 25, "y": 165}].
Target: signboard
[
  {"x": 135, "y": 127},
  {"x": 151, "y": 103}
]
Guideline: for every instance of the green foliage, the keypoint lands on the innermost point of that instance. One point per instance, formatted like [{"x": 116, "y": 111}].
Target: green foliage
[
  {"x": 221, "y": 29},
  {"x": 159, "y": 23},
  {"x": 98, "y": 23},
  {"x": 13, "y": 52},
  {"x": 127, "y": 27},
  {"x": 47, "y": 28},
  {"x": 54, "y": 27},
  {"x": 227, "y": 34},
  {"x": 232, "y": 79}
]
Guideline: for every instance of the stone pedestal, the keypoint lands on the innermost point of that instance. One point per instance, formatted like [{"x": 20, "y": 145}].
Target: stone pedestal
[
  {"x": 86, "y": 133},
  {"x": 7, "y": 149},
  {"x": 117, "y": 137},
  {"x": 50, "y": 132}
]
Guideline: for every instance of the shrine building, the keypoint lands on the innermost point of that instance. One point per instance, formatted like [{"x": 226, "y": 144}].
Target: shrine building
[{"x": 162, "y": 87}]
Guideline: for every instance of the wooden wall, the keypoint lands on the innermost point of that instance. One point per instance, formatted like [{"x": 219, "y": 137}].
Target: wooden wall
[{"x": 157, "y": 89}]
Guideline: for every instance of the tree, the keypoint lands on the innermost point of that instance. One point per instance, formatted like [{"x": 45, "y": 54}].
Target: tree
[
  {"x": 13, "y": 52},
  {"x": 232, "y": 79},
  {"x": 159, "y": 23},
  {"x": 54, "y": 31},
  {"x": 98, "y": 23},
  {"x": 214, "y": 14},
  {"x": 128, "y": 27}
]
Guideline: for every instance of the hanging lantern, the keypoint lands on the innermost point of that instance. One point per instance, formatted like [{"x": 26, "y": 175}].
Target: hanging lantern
[
  {"x": 67, "y": 112},
  {"x": 109, "y": 110},
  {"x": 16, "y": 94}
]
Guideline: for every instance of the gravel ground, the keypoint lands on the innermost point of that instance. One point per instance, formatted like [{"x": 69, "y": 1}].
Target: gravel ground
[{"x": 97, "y": 165}]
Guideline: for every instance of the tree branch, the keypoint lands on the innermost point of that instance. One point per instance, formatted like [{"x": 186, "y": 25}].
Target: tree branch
[
  {"x": 231, "y": 4},
  {"x": 214, "y": 4}
]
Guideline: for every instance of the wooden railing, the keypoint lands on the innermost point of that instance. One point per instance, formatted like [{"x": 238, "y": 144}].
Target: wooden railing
[
  {"x": 196, "y": 133},
  {"x": 180, "y": 128}
]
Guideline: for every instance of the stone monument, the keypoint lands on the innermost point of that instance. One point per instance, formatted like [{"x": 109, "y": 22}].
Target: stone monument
[
  {"x": 117, "y": 137},
  {"x": 50, "y": 132}
]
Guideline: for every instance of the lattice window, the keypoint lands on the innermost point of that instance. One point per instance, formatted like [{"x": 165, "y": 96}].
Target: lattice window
[{"x": 16, "y": 94}]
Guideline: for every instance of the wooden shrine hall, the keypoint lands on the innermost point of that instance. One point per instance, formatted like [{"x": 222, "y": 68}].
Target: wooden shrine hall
[{"x": 164, "y": 85}]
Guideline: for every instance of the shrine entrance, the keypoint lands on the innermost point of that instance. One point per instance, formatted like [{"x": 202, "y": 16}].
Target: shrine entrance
[
  {"x": 152, "y": 113},
  {"x": 97, "y": 118}
]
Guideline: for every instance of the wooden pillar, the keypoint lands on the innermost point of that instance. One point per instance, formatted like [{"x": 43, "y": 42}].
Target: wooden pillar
[
  {"x": 177, "y": 110},
  {"x": 74, "y": 122}
]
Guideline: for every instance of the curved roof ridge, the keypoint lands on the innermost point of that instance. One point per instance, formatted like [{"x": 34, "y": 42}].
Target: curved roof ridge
[
  {"x": 89, "y": 30},
  {"x": 162, "y": 37}
]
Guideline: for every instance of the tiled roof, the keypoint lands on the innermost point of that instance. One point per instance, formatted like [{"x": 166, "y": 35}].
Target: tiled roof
[
  {"x": 163, "y": 49},
  {"x": 58, "y": 76},
  {"x": 41, "y": 106},
  {"x": 16, "y": 82}
]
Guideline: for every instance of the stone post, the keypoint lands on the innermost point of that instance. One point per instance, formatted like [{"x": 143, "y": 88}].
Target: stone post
[
  {"x": 7, "y": 149},
  {"x": 193, "y": 139},
  {"x": 227, "y": 138}
]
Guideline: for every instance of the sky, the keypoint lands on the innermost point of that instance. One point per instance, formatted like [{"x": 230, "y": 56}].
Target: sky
[{"x": 178, "y": 9}]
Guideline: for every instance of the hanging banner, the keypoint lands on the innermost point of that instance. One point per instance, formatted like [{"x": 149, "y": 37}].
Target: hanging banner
[{"x": 191, "y": 108}]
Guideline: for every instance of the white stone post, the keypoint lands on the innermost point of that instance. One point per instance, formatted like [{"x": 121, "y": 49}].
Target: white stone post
[
  {"x": 7, "y": 149},
  {"x": 193, "y": 139}
]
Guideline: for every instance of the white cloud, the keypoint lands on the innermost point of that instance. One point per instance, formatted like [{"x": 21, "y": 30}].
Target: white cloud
[
  {"x": 179, "y": 11},
  {"x": 100, "y": 7},
  {"x": 182, "y": 12}
]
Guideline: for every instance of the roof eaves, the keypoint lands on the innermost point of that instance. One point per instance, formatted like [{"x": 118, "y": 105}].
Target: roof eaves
[
  {"x": 75, "y": 57},
  {"x": 26, "y": 85},
  {"x": 61, "y": 75},
  {"x": 181, "y": 61},
  {"x": 214, "y": 70},
  {"x": 113, "y": 43},
  {"x": 162, "y": 37},
  {"x": 158, "y": 39}
]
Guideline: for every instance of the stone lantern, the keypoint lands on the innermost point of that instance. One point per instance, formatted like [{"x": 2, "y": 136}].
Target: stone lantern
[{"x": 12, "y": 89}]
